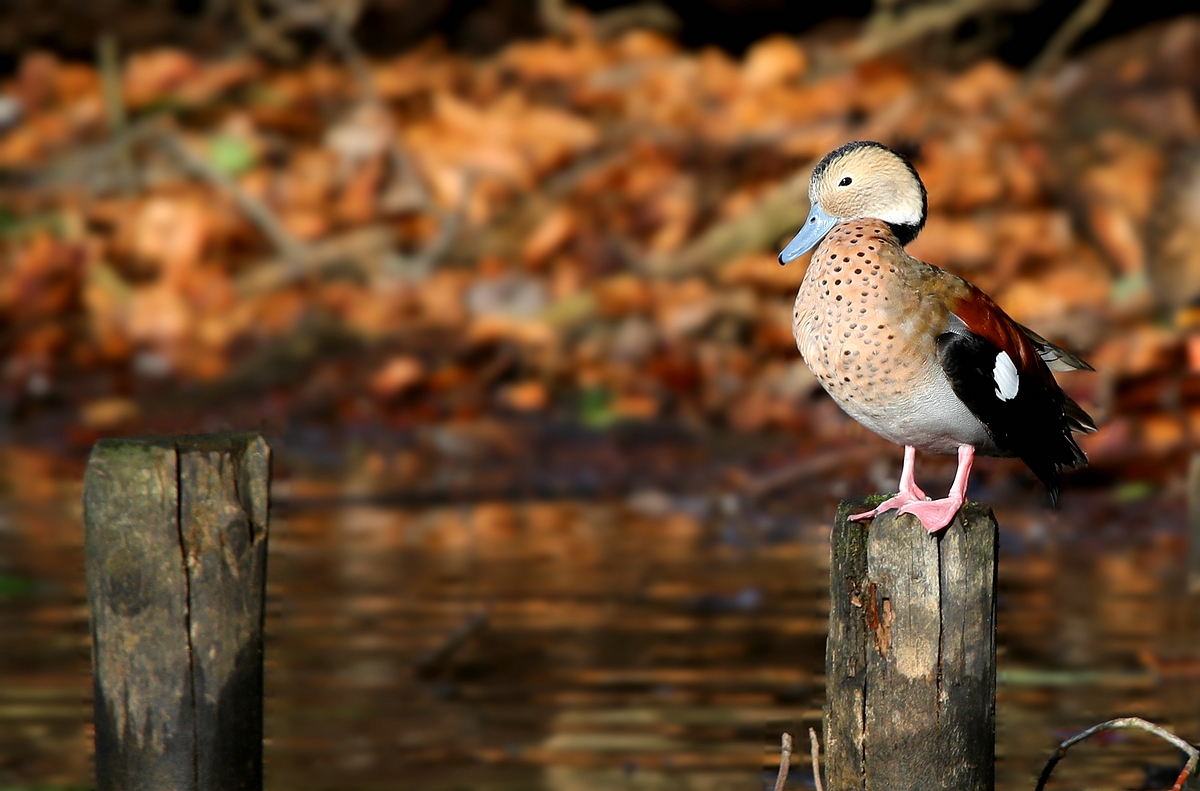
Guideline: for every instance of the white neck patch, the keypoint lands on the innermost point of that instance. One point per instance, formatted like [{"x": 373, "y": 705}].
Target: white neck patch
[
  {"x": 899, "y": 215},
  {"x": 1008, "y": 381}
]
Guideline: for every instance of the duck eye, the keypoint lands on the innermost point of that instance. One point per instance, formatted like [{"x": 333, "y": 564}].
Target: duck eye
[{"x": 845, "y": 182}]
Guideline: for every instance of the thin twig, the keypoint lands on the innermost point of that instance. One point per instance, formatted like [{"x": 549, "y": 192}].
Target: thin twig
[
  {"x": 420, "y": 265},
  {"x": 776, "y": 214},
  {"x": 1085, "y": 15},
  {"x": 359, "y": 246},
  {"x": 1136, "y": 723},
  {"x": 336, "y": 20},
  {"x": 157, "y": 132},
  {"x": 109, "y": 63},
  {"x": 255, "y": 210},
  {"x": 408, "y": 190},
  {"x": 816, "y": 758},
  {"x": 651, "y": 15},
  {"x": 555, "y": 16},
  {"x": 449, "y": 224},
  {"x": 267, "y": 36},
  {"x": 87, "y": 165},
  {"x": 756, "y": 486},
  {"x": 785, "y": 761},
  {"x": 887, "y": 30},
  {"x": 338, "y": 32},
  {"x": 432, "y": 661}
]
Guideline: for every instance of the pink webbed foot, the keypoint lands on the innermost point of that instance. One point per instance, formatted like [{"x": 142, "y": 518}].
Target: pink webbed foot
[
  {"x": 909, "y": 491},
  {"x": 934, "y": 514},
  {"x": 900, "y": 501},
  {"x": 937, "y": 514}
]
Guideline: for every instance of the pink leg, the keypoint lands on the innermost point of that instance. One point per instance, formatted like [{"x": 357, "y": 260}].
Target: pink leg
[
  {"x": 909, "y": 491},
  {"x": 936, "y": 514}
]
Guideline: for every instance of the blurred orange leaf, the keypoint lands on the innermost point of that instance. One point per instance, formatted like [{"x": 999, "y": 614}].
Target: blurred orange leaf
[{"x": 396, "y": 376}]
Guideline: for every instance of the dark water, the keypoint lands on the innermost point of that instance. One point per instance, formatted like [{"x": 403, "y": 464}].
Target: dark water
[{"x": 639, "y": 642}]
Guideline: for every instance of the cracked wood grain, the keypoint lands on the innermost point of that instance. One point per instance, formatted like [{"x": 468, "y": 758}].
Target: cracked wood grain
[
  {"x": 911, "y": 656},
  {"x": 175, "y": 543}
]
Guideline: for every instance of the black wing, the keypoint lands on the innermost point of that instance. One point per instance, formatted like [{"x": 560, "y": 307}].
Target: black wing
[{"x": 1032, "y": 421}]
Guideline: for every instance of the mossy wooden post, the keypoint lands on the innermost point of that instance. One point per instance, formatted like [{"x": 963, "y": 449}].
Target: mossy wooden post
[
  {"x": 911, "y": 659},
  {"x": 176, "y": 553}
]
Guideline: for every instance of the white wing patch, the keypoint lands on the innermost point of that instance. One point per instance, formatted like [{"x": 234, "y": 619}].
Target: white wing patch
[{"x": 1007, "y": 379}]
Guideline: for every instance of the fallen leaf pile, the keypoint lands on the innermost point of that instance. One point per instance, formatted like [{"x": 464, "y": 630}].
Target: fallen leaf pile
[{"x": 575, "y": 228}]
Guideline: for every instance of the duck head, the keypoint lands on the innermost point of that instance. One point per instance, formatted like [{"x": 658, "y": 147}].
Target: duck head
[{"x": 861, "y": 180}]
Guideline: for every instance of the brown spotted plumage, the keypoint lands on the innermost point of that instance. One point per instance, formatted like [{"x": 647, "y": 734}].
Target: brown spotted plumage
[{"x": 918, "y": 355}]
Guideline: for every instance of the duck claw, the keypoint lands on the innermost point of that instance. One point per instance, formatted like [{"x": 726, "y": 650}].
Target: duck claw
[{"x": 901, "y": 500}]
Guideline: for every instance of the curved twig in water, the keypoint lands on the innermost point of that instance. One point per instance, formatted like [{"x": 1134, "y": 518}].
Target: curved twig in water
[{"x": 1136, "y": 723}]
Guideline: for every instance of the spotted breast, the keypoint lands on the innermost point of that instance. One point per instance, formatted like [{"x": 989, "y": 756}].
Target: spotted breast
[
  {"x": 866, "y": 323},
  {"x": 914, "y": 353}
]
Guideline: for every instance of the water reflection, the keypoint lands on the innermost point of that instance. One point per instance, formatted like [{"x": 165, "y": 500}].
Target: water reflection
[{"x": 648, "y": 643}]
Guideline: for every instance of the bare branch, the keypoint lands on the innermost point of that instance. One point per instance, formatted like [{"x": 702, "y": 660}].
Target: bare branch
[
  {"x": 336, "y": 20},
  {"x": 888, "y": 29},
  {"x": 816, "y": 758},
  {"x": 756, "y": 486},
  {"x": 337, "y": 30},
  {"x": 776, "y": 214},
  {"x": 109, "y": 64},
  {"x": 1136, "y": 723},
  {"x": 409, "y": 191},
  {"x": 268, "y": 37},
  {"x": 449, "y": 225},
  {"x": 785, "y": 761},
  {"x": 359, "y": 246},
  {"x": 430, "y": 662},
  {"x": 287, "y": 245},
  {"x": 1086, "y": 14}
]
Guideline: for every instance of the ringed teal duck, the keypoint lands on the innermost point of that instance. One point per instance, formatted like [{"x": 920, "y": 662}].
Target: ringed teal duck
[{"x": 916, "y": 354}]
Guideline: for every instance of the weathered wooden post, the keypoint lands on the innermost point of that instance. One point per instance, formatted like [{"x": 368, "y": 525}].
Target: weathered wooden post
[
  {"x": 176, "y": 546},
  {"x": 911, "y": 660}
]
